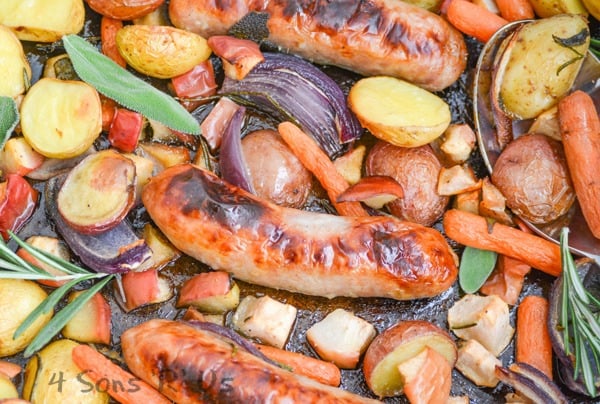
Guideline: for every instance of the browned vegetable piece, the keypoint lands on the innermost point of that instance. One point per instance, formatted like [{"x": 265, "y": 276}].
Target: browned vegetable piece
[
  {"x": 98, "y": 192},
  {"x": 416, "y": 170},
  {"x": 532, "y": 174},
  {"x": 276, "y": 172},
  {"x": 124, "y": 9}
]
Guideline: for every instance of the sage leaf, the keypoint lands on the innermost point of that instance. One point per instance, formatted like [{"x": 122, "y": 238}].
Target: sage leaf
[
  {"x": 476, "y": 265},
  {"x": 9, "y": 118},
  {"x": 125, "y": 88}
]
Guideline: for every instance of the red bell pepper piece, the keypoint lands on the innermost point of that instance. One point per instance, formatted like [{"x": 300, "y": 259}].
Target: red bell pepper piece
[
  {"x": 18, "y": 200},
  {"x": 125, "y": 130}
]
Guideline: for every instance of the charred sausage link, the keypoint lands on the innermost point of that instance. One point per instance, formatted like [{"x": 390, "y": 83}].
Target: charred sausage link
[
  {"x": 370, "y": 37},
  {"x": 284, "y": 248}
]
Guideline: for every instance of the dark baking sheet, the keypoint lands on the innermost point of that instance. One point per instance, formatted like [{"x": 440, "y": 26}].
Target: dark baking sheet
[{"x": 382, "y": 313}]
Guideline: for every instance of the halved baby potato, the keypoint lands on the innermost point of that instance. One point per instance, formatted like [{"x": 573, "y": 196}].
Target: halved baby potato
[
  {"x": 161, "y": 51},
  {"x": 13, "y": 64},
  {"x": 98, "y": 193},
  {"x": 124, "y": 9},
  {"x": 42, "y": 20},
  {"x": 61, "y": 118},
  {"x": 399, "y": 112},
  {"x": 539, "y": 64},
  {"x": 397, "y": 345}
]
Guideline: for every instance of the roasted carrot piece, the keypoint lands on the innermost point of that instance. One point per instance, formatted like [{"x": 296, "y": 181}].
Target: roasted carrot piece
[
  {"x": 108, "y": 35},
  {"x": 318, "y": 163},
  {"x": 533, "y": 344},
  {"x": 475, "y": 231},
  {"x": 514, "y": 10},
  {"x": 506, "y": 281},
  {"x": 473, "y": 20},
  {"x": 97, "y": 367},
  {"x": 580, "y": 131},
  {"x": 316, "y": 369}
]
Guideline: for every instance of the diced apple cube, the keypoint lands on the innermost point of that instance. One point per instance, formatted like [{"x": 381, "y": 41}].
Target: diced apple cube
[
  {"x": 9, "y": 369},
  {"x": 477, "y": 364},
  {"x": 50, "y": 245},
  {"x": 143, "y": 288},
  {"x": 350, "y": 164},
  {"x": 266, "y": 319},
  {"x": 18, "y": 157},
  {"x": 144, "y": 169},
  {"x": 211, "y": 292},
  {"x": 493, "y": 203},
  {"x": 468, "y": 201},
  {"x": 458, "y": 142},
  {"x": 427, "y": 377},
  {"x": 456, "y": 180},
  {"x": 92, "y": 323},
  {"x": 164, "y": 155},
  {"x": 484, "y": 319},
  {"x": 341, "y": 337},
  {"x": 163, "y": 252}
]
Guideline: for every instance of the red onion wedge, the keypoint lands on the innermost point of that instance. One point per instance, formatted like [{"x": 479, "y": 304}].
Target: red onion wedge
[
  {"x": 293, "y": 89},
  {"x": 531, "y": 383},
  {"x": 117, "y": 250},
  {"x": 233, "y": 164}
]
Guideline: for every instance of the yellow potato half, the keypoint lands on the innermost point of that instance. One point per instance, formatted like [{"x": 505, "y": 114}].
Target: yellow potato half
[
  {"x": 13, "y": 64},
  {"x": 61, "y": 118},
  {"x": 399, "y": 112},
  {"x": 42, "y": 20},
  {"x": 161, "y": 51}
]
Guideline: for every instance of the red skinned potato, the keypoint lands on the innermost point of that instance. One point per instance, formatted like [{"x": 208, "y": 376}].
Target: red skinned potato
[
  {"x": 124, "y": 9},
  {"x": 400, "y": 343},
  {"x": 276, "y": 172},
  {"x": 533, "y": 176},
  {"x": 416, "y": 170}
]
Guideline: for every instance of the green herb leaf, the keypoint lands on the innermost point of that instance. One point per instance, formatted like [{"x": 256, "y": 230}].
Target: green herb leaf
[
  {"x": 128, "y": 90},
  {"x": 62, "y": 317},
  {"x": 9, "y": 118},
  {"x": 475, "y": 267}
]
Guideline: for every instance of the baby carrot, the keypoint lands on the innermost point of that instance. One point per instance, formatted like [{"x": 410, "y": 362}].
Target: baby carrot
[
  {"x": 472, "y": 230},
  {"x": 97, "y": 367},
  {"x": 514, "y": 10},
  {"x": 317, "y": 162},
  {"x": 316, "y": 369},
  {"x": 108, "y": 35},
  {"x": 506, "y": 281},
  {"x": 580, "y": 131},
  {"x": 473, "y": 20},
  {"x": 533, "y": 344}
]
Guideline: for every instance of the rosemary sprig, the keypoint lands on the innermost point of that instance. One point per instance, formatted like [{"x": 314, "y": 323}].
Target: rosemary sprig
[
  {"x": 14, "y": 267},
  {"x": 580, "y": 326},
  {"x": 595, "y": 47}
]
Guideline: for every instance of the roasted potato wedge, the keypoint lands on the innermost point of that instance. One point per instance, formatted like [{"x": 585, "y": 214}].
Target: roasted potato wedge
[
  {"x": 15, "y": 68},
  {"x": 593, "y": 7},
  {"x": 61, "y": 118},
  {"x": 398, "y": 112},
  {"x": 42, "y": 20},
  {"x": 161, "y": 51},
  {"x": 124, "y": 9},
  {"x": 398, "y": 344},
  {"x": 549, "y": 8},
  {"x": 539, "y": 65}
]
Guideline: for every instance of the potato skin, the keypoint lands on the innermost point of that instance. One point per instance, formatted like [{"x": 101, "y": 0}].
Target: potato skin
[
  {"x": 416, "y": 169},
  {"x": 276, "y": 172},
  {"x": 124, "y": 9},
  {"x": 533, "y": 176}
]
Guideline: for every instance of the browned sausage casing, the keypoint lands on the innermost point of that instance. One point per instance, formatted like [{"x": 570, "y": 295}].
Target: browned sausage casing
[
  {"x": 371, "y": 37},
  {"x": 284, "y": 248},
  {"x": 189, "y": 365}
]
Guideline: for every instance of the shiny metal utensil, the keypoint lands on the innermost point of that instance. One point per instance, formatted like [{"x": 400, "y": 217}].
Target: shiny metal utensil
[{"x": 581, "y": 240}]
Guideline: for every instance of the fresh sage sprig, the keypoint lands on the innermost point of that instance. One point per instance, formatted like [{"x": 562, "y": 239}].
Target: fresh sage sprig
[
  {"x": 580, "y": 326},
  {"x": 476, "y": 265},
  {"x": 14, "y": 267},
  {"x": 125, "y": 88},
  {"x": 9, "y": 118}
]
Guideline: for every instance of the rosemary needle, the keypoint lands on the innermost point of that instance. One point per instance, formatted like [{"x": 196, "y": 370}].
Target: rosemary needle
[{"x": 14, "y": 267}]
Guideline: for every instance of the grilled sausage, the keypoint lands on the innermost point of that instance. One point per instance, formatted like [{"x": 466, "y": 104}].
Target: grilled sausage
[
  {"x": 284, "y": 248},
  {"x": 370, "y": 37},
  {"x": 189, "y": 365}
]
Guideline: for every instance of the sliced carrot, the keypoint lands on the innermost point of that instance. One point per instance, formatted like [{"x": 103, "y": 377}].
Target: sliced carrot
[
  {"x": 514, "y": 10},
  {"x": 97, "y": 367},
  {"x": 506, "y": 281},
  {"x": 316, "y": 369},
  {"x": 318, "y": 163},
  {"x": 533, "y": 344},
  {"x": 108, "y": 36},
  {"x": 429, "y": 378},
  {"x": 473, "y": 20},
  {"x": 580, "y": 132},
  {"x": 475, "y": 231}
]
